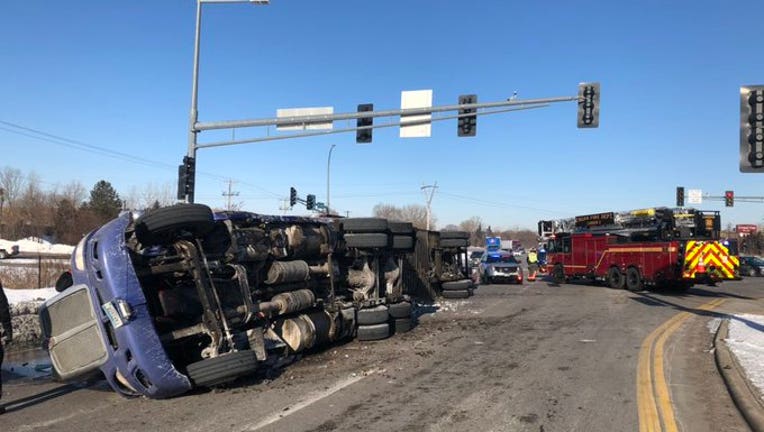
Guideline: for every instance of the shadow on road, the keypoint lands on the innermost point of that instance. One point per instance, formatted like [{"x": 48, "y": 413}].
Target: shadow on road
[
  {"x": 649, "y": 299},
  {"x": 38, "y": 398}
]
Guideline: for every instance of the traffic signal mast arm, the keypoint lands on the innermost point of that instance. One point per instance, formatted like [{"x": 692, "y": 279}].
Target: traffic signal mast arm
[{"x": 507, "y": 105}]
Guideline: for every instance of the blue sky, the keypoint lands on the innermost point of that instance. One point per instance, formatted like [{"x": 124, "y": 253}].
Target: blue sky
[{"x": 117, "y": 75}]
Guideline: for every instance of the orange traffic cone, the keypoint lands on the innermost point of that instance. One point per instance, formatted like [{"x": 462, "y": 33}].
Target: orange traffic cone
[{"x": 701, "y": 267}]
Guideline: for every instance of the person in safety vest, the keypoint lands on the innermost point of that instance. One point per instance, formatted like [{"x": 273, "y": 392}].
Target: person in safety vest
[{"x": 533, "y": 264}]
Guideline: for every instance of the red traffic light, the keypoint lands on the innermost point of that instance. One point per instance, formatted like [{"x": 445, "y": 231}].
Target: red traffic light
[{"x": 729, "y": 198}]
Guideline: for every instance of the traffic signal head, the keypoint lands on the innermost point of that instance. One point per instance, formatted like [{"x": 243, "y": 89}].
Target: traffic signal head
[
  {"x": 363, "y": 136},
  {"x": 467, "y": 123},
  {"x": 588, "y": 105},
  {"x": 752, "y": 129},
  {"x": 292, "y": 196},
  {"x": 186, "y": 179},
  {"x": 310, "y": 202},
  {"x": 729, "y": 198},
  {"x": 680, "y": 196}
]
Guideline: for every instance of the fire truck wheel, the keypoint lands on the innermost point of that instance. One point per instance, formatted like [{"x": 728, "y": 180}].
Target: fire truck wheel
[
  {"x": 615, "y": 278},
  {"x": 633, "y": 279},
  {"x": 558, "y": 274}
]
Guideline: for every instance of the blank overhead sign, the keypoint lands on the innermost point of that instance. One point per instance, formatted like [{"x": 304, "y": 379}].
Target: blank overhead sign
[
  {"x": 300, "y": 112},
  {"x": 695, "y": 196},
  {"x": 420, "y": 124}
]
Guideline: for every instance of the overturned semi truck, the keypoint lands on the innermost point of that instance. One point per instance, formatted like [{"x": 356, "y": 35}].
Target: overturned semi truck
[{"x": 181, "y": 297}]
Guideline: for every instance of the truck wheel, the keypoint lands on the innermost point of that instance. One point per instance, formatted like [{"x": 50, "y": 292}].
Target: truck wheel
[
  {"x": 397, "y": 227},
  {"x": 367, "y": 240},
  {"x": 456, "y": 285},
  {"x": 373, "y": 332},
  {"x": 558, "y": 274},
  {"x": 3, "y": 254},
  {"x": 218, "y": 370},
  {"x": 403, "y": 325},
  {"x": 400, "y": 310},
  {"x": 376, "y": 315},
  {"x": 633, "y": 279},
  {"x": 454, "y": 235},
  {"x": 365, "y": 225},
  {"x": 615, "y": 278},
  {"x": 453, "y": 242},
  {"x": 162, "y": 225},
  {"x": 403, "y": 242},
  {"x": 455, "y": 294}
]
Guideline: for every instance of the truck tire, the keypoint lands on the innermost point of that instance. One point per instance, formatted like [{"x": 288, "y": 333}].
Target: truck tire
[
  {"x": 367, "y": 240},
  {"x": 402, "y": 325},
  {"x": 460, "y": 294},
  {"x": 454, "y": 235},
  {"x": 453, "y": 242},
  {"x": 398, "y": 227},
  {"x": 373, "y": 332},
  {"x": 375, "y": 315},
  {"x": 3, "y": 254},
  {"x": 615, "y": 278},
  {"x": 633, "y": 279},
  {"x": 403, "y": 242},
  {"x": 456, "y": 285},
  {"x": 400, "y": 310},
  {"x": 365, "y": 225},
  {"x": 218, "y": 370},
  {"x": 160, "y": 226},
  {"x": 558, "y": 274}
]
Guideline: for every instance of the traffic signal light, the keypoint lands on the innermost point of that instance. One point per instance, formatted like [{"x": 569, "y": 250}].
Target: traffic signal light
[
  {"x": 588, "y": 105},
  {"x": 310, "y": 202},
  {"x": 680, "y": 196},
  {"x": 292, "y": 196},
  {"x": 752, "y": 129},
  {"x": 186, "y": 178},
  {"x": 729, "y": 198},
  {"x": 363, "y": 136},
  {"x": 467, "y": 124}
]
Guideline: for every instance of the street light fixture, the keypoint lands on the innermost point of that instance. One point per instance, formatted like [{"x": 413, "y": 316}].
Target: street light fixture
[
  {"x": 328, "y": 165},
  {"x": 194, "y": 115}
]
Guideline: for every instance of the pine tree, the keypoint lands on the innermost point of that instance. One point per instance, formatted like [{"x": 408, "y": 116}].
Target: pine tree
[{"x": 104, "y": 201}]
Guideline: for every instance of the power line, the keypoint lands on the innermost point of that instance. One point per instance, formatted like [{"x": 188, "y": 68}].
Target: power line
[{"x": 102, "y": 151}]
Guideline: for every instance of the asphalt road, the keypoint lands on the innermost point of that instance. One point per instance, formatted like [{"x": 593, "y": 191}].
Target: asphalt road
[{"x": 531, "y": 357}]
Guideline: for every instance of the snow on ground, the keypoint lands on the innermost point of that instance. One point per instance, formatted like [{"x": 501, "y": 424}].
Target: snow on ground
[
  {"x": 746, "y": 341},
  {"x": 36, "y": 245},
  {"x": 24, "y": 295}
]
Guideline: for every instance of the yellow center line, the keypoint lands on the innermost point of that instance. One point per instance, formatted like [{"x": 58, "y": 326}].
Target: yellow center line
[{"x": 653, "y": 396}]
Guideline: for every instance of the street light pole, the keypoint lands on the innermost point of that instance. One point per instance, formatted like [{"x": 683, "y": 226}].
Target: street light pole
[
  {"x": 193, "y": 119},
  {"x": 328, "y": 166}
]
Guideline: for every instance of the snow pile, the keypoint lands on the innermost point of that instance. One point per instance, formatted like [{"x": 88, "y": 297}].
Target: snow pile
[
  {"x": 746, "y": 341},
  {"x": 35, "y": 245},
  {"x": 25, "y": 309}
]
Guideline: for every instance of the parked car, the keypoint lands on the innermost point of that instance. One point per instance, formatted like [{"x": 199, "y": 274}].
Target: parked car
[
  {"x": 4, "y": 253},
  {"x": 181, "y": 297},
  {"x": 500, "y": 266},
  {"x": 475, "y": 257},
  {"x": 751, "y": 266}
]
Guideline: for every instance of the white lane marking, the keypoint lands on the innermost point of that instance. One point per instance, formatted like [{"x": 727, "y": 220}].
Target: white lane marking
[{"x": 312, "y": 398}]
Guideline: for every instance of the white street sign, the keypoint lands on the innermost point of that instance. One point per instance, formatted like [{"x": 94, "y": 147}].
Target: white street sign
[
  {"x": 298, "y": 112},
  {"x": 416, "y": 99},
  {"x": 695, "y": 196}
]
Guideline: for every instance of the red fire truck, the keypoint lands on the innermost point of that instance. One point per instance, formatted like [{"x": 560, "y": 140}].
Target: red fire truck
[{"x": 656, "y": 247}]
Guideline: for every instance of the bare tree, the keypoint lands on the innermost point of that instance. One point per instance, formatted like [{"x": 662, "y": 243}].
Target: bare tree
[
  {"x": 12, "y": 180},
  {"x": 414, "y": 213},
  {"x": 144, "y": 197}
]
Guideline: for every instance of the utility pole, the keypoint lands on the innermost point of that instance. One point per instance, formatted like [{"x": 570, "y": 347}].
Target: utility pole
[
  {"x": 229, "y": 194},
  {"x": 432, "y": 188}
]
